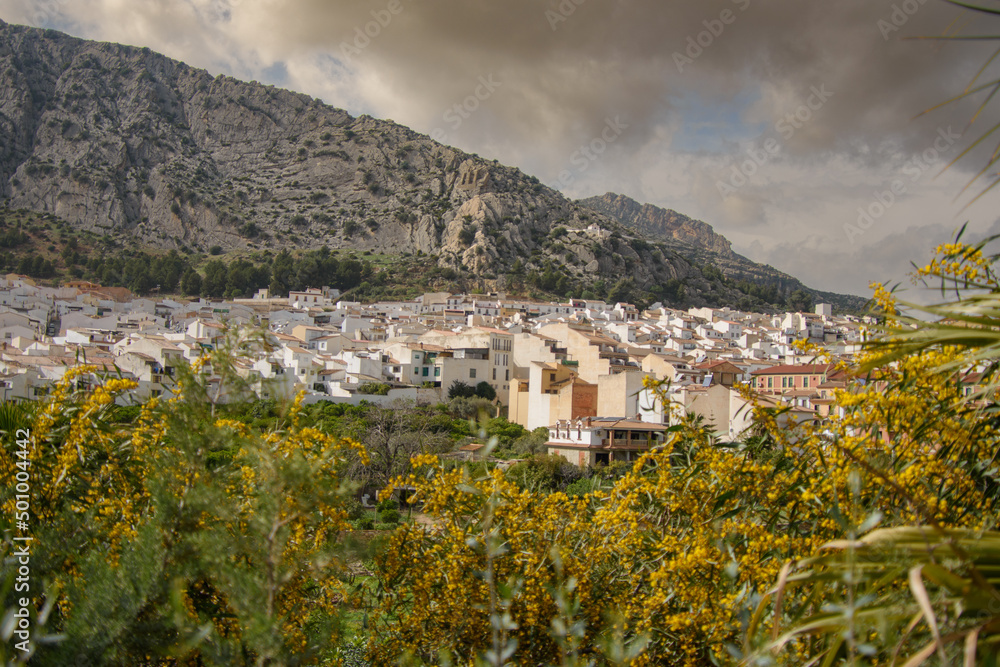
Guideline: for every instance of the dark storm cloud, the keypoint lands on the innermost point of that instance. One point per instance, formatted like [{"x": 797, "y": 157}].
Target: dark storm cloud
[{"x": 567, "y": 66}]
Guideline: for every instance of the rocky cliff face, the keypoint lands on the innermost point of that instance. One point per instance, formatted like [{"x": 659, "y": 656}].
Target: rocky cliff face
[
  {"x": 698, "y": 242},
  {"x": 659, "y": 223},
  {"x": 126, "y": 142}
]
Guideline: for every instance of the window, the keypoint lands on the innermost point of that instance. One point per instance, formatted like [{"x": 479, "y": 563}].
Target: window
[
  {"x": 437, "y": 372},
  {"x": 472, "y": 373},
  {"x": 425, "y": 371},
  {"x": 494, "y": 374},
  {"x": 805, "y": 381},
  {"x": 552, "y": 377},
  {"x": 769, "y": 383},
  {"x": 506, "y": 375}
]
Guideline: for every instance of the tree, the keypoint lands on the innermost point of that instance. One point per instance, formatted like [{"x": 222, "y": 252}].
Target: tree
[
  {"x": 484, "y": 390},
  {"x": 459, "y": 389},
  {"x": 799, "y": 301},
  {"x": 281, "y": 273},
  {"x": 191, "y": 283},
  {"x": 392, "y": 435},
  {"x": 622, "y": 292},
  {"x": 214, "y": 283}
]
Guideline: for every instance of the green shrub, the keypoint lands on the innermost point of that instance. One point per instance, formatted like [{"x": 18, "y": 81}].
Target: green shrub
[
  {"x": 389, "y": 516},
  {"x": 580, "y": 487},
  {"x": 355, "y": 510},
  {"x": 459, "y": 389},
  {"x": 545, "y": 473},
  {"x": 388, "y": 504}
]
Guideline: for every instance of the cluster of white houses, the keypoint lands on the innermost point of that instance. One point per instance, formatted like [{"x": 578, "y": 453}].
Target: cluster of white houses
[{"x": 575, "y": 368}]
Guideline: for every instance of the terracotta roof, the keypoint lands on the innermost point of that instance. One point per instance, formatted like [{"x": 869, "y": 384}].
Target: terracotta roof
[{"x": 709, "y": 365}]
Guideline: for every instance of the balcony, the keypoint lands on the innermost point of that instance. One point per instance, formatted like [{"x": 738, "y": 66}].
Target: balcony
[{"x": 625, "y": 443}]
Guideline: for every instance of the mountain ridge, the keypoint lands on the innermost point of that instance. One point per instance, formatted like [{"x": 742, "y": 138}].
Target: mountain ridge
[
  {"x": 699, "y": 242},
  {"x": 660, "y": 222},
  {"x": 125, "y": 142}
]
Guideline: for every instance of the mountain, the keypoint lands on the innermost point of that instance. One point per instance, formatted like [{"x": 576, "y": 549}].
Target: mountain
[
  {"x": 660, "y": 223},
  {"x": 700, "y": 243},
  {"x": 149, "y": 152}
]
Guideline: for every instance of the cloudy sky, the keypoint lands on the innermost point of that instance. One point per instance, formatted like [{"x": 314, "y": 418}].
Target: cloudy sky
[{"x": 792, "y": 127}]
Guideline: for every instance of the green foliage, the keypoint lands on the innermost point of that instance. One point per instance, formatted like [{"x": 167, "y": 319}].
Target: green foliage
[
  {"x": 389, "y": 516},
  {"x": 467, "y": 234},
  {"x": 191, "y": 283},
  {"x": 459, "y": 389},
  {"x": 149, "y": 548},
  {"x": 388, "y": 504},
  {"x": 506, "y": 432},
  {"x": 799, "y": 301},
  {"x": 354, "y": 509},
  {"x": 374, "y": 388},
  {"x": 13, "y": 238},
  {"x": 544, "y": 473},
  {"x": 531, "y": 444},
  {"x": 580, "y": 487}
]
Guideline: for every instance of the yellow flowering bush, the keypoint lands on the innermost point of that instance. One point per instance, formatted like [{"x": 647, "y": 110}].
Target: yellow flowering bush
[
  {"x": 681, "y": 555},
  {"x": 185, "y": 536},
  {"x": 178, "y": 536}
]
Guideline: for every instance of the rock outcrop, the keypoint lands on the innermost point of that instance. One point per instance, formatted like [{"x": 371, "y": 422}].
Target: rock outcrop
[{"x": 660, "y": 223}]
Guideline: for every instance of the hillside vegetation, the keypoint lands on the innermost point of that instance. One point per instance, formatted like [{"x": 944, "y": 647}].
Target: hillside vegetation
[{"x": 125, "y": 143}]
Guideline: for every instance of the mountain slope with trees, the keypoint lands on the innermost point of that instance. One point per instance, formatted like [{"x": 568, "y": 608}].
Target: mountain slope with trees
[{"x": 126, "y": 143}]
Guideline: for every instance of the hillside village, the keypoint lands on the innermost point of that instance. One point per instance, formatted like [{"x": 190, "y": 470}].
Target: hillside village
[{"x": 576, "y": 368}]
